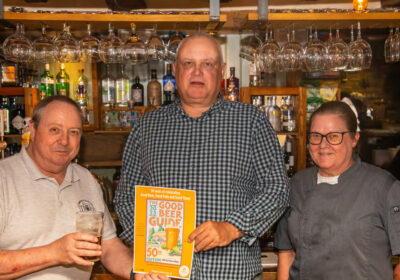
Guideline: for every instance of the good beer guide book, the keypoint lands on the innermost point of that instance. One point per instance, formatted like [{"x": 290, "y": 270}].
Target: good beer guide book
[{"x": 164, "y": 218}]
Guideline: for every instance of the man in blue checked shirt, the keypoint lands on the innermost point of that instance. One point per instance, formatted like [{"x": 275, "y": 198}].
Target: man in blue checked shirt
[{"x": 226, "y": 151}]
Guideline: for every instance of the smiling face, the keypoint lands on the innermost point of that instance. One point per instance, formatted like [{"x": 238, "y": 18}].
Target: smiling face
[
  {"x": 332, "y": 160},
  {"x": 56, "y": 140},
  {"x": 198, "y": 72}
]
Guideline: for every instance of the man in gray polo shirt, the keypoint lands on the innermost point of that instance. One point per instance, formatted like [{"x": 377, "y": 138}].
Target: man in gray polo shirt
[{"x": 40, "y": 192}]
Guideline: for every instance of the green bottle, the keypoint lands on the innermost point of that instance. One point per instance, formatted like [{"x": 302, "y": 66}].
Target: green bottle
[
  {"x": 62, "y": 84},
  {"x": 46, "y": 83}
]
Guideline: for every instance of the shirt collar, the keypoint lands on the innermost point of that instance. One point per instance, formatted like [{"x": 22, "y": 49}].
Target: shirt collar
[
  {"x": 36, "y": 174},
  {"x": 219, "y": 105}
]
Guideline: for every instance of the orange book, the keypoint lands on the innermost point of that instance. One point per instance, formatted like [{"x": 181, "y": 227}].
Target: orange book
[{"x": 164, "y": 218}]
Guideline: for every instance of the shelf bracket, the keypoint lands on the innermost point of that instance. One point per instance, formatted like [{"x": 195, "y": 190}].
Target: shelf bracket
[
  {"x": 214, "y": 10},
  {"x": 263, "y": 10}
]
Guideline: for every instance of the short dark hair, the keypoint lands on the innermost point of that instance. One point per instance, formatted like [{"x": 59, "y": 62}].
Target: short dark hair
[
  {"x": 338, "y": 108},
  {"x": 38, "y": 111}
]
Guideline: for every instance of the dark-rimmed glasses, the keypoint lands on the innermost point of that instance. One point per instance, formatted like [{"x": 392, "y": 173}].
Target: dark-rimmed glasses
[{"x": 333, "y": 138}]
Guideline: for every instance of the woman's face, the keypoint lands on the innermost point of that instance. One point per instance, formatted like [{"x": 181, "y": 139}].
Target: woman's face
[{"x": 332, "y": 160}]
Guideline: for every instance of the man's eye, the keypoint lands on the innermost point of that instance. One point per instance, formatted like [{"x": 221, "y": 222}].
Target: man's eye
[
  {"x": 334, "y": 135},
  {"x": 75, "y": 132},
  {"x": 187, "y": 63},
  {"x": 54, "y": 129}
]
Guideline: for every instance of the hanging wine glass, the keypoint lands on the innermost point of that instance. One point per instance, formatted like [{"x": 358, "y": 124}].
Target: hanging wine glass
[
  {"x": 356, "y": 54},
  {"x": 172, "y": 47},
  {"x": 66, "y": 47},
  {"x": 365, "y": 47},
  {"x": 17, "y": 47},
  {"x": 269, "y": 53},
  {"x": 134, "y": 50},
  {"x": 43, "y": 50},
  {"x": 387, "y": 49},
  {"x": 155, "y": 46},
  {"x": 338, "y": 53},
  {"x": 395, "y": 46},
  {"x": 89, "y": 46},
  {"x": 291, "y": 54},
  {"x": 110, "y": 47},
  {"x": 314, "y": 53},
  {"x": 249, "y": 47}
]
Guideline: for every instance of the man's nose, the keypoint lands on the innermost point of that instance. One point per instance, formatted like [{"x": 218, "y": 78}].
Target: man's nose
[{"x": 64, "y": 139}]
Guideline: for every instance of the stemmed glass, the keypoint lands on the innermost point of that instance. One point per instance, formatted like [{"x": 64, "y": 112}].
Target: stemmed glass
[
  {"x": 291, "y": 54},
  {"x": 356, "y": 54},
  {"x": 89, "y": 46},
  {"x": 110, "y": 47},
  {"x": 173, "y": 46},
  {"x": 338, "y": 53},
  {"x": 249, "y": 47},
  {"x": 17, "y": 47},
  {"x": 43, "y": 47},
  {"x": 388, "y": 48},
  {"x": 365, "y": 47},
  {"x": 134, "y": 50},
  {"x": 395, "y": 46},
  {"x": 155, "y": 46},
  {"x": 269, "y": 53},
  {"x": 314, "y": 53},
  {"x": 66, "y": 47}
]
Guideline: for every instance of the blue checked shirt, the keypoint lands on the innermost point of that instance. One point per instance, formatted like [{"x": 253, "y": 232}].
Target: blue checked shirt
[{"x": 230, "y": 156}]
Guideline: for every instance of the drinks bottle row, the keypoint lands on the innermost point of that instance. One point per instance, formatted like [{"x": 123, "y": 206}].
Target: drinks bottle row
[
  {"x": 13, "y": 115},
  {"x": 121, "y": 91},
  {"x": 282, "y": 118}
]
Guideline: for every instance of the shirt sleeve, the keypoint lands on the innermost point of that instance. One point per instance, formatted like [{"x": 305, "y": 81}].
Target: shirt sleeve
[
  {"x": 130, "y": 176},
  {"x": 271, "y": 194},
  {"x": 282, "y": 240},
  {"x": 393, "y": 217}
]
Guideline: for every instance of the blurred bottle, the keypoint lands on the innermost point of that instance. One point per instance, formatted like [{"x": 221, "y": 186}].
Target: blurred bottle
[
  {"x": 62, "y": 82},
  {"x": 291, "y": 170},
  {"x": 81, "y": 94},
  {"x": 154, "y": 90},
  {"x": 5, "y": 107},
  {"x": 253, "y": 75},
  {"x": 9, "y": 74},
  {"x": 137, "y": 92},
  {"x": 122, "y": 88},
  {"x": 274, "y": 114},
  {"x": 288, "y": 118},
  {"x": 232, "y": 86},
  {"x": 108, "y": 87},
  {"x": 46, "y": 83},
  {"x": 287, "y": 152},
  {"x": 16, "y": 117},
  {"x": 267, "y": 106},
  {"x": 169, "y": 87}
]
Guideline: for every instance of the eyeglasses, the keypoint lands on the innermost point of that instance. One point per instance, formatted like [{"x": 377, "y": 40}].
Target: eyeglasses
[{"x": 333, "y": 138}]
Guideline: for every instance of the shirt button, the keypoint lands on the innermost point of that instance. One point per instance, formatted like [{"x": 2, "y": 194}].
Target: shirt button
[{"x": 396, "y": 209}]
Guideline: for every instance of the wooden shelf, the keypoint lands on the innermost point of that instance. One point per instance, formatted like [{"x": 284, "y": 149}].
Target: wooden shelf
[
  {"x": 100, "y": 20},
  {"x": 325, "y": 20},
  {"x": 12, "y": 91}
]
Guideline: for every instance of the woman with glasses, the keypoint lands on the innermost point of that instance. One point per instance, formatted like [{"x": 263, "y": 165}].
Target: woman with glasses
[{"x": 344, "y": 215}]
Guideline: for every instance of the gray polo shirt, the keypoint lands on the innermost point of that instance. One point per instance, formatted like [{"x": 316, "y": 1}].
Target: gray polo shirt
[
  {"x": 35, "y": 210},
  {"x": 345, "y": 231}
]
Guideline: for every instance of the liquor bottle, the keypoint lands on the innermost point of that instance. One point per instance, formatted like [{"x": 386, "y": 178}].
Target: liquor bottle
[
  {"x": 274, "y": 114},
  {"x": 17, "y": 120},
  {"x": 108, "y": 87},
  {"x": 4, "y": 106},
  {"x": 9, "y": 74},
  {"x": 81, "y": 94},
  {"x": 235, "y": 83},
  {"x": 232, "y": 93},
  {"x": 154, "y": 90},
  {"x": 284, "y": 114},
  {"x": 122, "y": 87},
  {"x": 169, "y": 87},
  {"x": 222, "y": 90},
  {"x": 46, "y": 83},
  {"x": 267, "y": 106},
  {"x": 291, "y": 170},
  {"x": 253, "y": 77},
  {"x": 137, "y": 92},
  {"x": 291, "y": 120},
  {"x": 288, "y": 152},
  {"x": 62, "y": 81}
]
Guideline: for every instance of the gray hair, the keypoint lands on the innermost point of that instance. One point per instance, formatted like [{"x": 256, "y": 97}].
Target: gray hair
[
  {"x": 201, "y": 35},
  {"x": 41, "y": 106}
]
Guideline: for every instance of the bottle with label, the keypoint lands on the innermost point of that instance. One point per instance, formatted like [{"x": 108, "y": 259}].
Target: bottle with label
[
  {"x": 108, "y": 87},
  {"x": 122, "y": 87},
  {"x": 169, "y": 86},
  {"x": 291, "y": 170},
  {"x": 232, "y": 92},
  {"x": 235, "y": 81},
  {"x": 154, "y": 90},
  {"x": 46, "y": 83},
  {"x": 9, "y": 74},
  {"x": 274, "y": 114},
  {"x": 284, "y": 113},
  {"x": 137, "y": 92},
  {"x": 81, "y": 94},
  {"x": 253, "y": 79},
  {"x": 18, "y": 121},
  {"x": 291, "y": 120},
  {"x": 5, "y": 109},
  {"x": 62, "y": 81}
]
